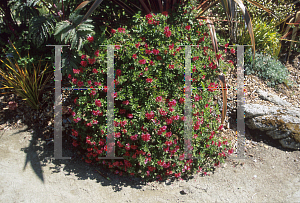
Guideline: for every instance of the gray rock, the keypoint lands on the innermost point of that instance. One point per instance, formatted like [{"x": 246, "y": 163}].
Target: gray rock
[
  {"x": 290, "y": 143},
  {"x": 278, "y": 134},
  {"x": 280, "y": 122},
  {"x": 262, "y": 123},
  {"x": 254, "y": 110},
  {"x": 272, "y": 98}
]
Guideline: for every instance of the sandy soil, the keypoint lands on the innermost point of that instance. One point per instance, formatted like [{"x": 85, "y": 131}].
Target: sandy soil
[{"x": 27, "y": 174}]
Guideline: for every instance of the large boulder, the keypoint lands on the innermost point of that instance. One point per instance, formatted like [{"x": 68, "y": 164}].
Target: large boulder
[{"x": 281, "y": 121}]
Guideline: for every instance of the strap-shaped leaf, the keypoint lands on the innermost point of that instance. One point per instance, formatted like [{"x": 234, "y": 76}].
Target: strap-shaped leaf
[
  {"x": 263, "y": 8},
  {"x": 224, "y": 95},
  {"x": 91, "y": 10},
  {"x": 205, "y": 9},
  {"x": 213, "y": 37},
  {"x": 124, "y": 6},
  {"x": 248, "y": 23},
  {"x": 82, "y": 5}
]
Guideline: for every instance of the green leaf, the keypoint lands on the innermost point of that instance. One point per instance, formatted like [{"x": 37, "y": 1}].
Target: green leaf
[{"x": 40, "y": 28}]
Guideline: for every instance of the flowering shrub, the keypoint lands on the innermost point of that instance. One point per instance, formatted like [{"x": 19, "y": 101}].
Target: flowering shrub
[{"x": 149, "y": 98}]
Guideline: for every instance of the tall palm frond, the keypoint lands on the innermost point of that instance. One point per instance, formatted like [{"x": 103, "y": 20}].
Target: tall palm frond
[
  {"x": 71, "y": 31},
  {"x": 40, "y": 28}
]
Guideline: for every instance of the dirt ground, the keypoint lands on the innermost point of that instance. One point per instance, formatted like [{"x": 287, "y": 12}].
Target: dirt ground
[{"x": 27, "y": 174}]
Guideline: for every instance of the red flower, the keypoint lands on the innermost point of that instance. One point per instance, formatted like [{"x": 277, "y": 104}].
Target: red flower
[
  {"x": 125, "y": 102},
  {"x": 168, "y": 33},
  {"x": 195, "y": 58},
  {"x": 178, "y": 49},
  {"x": 197, "y": 98},
  {"x": 168, "y": 135},
  {"x": 137, "y": 45},
  {"x": 181, "y": 100},
  {"x": 142, "y": 61},
  {"x": 92, "y": 61},
  {"x": 155, "y": 52},
  {"x": 171, "y": 46},
  {"x": 230, "y": 61},
  {"x": 165, "y": 13},
  {"x": 194, "y": 69},
  {"x": 150, "y": 115},
  {"x": 148, "y": 16},
  {"x": 97, "y": 53},
  {"x": 117, "y": 135},
  {"x": 159, "y": 58},
  {"x": 220, "y": 127},
  {"x": 188, "y": 27},
  {"x": 134, "y": 56},
  {"x": 80, "y": 83},
  {"x": 117, "y": 46},
  {"x": 98, "y": 103},
  {"x": 146, "y": 137},
  {"x": 226, "y": 45},
  {"x": 134, "y": 137},
  {"x": 88, "y": 161},
  {"x": 232, "y": 51},
  {"x": 171, "y": 67},
  {"x": 149, "y": 80},
  {"x": 75, "y": 144},
  {"x": 119, "y": 72},
  {"x": 95, "y": 70},
  {"x": 76, "y": 71},
  {"x": 148, "y": 52},
  {"x": 121, "y": 30},
  {"x": 127, "y": 147},
  {"x": 90, "y": 39},
  {"x": 158, "y": 99},
  {"x": 129, "y": 115},
  {"x": 151, "y": 63},
  {"x": 113, "y": 31},
  {"x": 83, "y": 63},
  {"x": 83, "y": 57}
]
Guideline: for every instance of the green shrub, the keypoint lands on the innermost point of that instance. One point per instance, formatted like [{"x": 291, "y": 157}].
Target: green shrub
[
  {"x": 267, "y": 39},
  {"x": 149, "y": 98},
  {"x": 266, "y": 68},
  {"x": 280, "y": 8}
]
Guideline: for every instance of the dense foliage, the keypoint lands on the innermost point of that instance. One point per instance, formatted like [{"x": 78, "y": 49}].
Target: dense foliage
[{"x": 149, "y": 98}]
